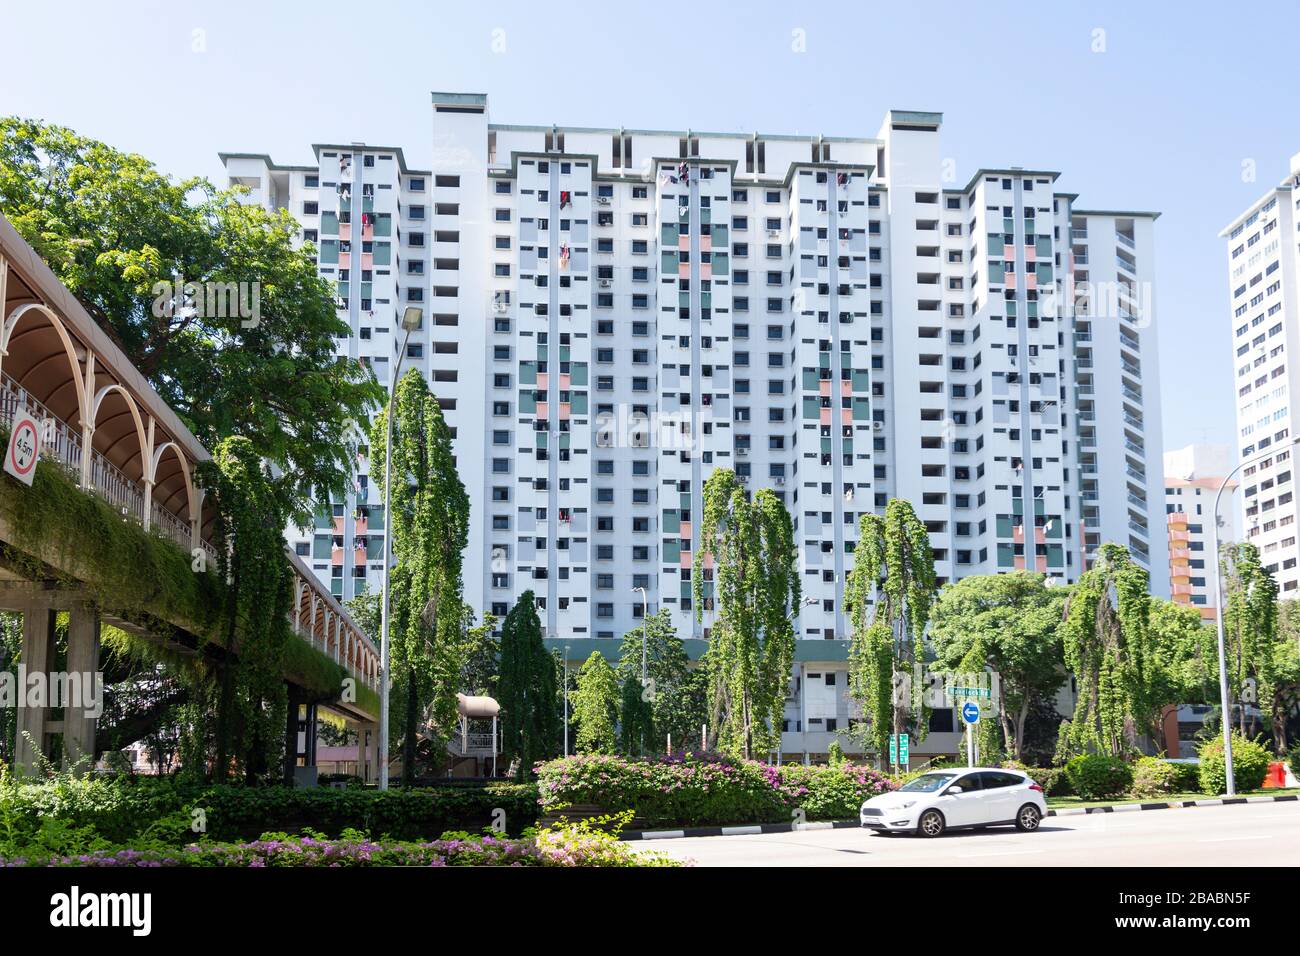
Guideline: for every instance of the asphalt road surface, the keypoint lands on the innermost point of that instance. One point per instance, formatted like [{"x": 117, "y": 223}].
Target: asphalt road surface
[{"x": 1263, "y": 834}]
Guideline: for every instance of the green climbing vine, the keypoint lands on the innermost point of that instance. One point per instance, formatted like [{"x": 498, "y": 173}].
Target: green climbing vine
[
  {"x": 428, "y": 521},
  {"x": 1106, "y": 638},
  {"x": 1250, "y": 627},
  {"x": 750, "y": 545},
  {"x": 888, "y": 597},
  {"x": 257, "y": 595}
]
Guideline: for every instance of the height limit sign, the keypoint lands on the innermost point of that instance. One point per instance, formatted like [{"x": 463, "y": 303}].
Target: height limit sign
[{"x": 24, "y": 448}]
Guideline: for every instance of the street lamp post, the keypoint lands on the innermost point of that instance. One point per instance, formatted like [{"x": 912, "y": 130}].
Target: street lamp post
[
  {"x": 1218, "y": 619},
  {"x": 410, "y": 322},
  {"x": 566, "y": 700}
]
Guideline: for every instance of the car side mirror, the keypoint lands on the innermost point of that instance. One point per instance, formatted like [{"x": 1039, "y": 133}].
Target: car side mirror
[{"x": 954, "y": 789}]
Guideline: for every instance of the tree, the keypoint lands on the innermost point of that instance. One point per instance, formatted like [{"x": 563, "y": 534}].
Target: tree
[
  {"x": 888, "y": 597},
  {"x": 636, "y": 730},
  {"x": 749, "y": 544},
  {"x": 595, "y": 706},
  {"x": 1249, "y": 627},
  {"x": 1009, "y": 623},
  {"x": 428, "y": 526},
  {"x": 248, "y": 350},
  {"x": 1107, "y": 647},
  {"x": 1285, "y": 696},
  {"x": 527, "y": 686},
  {"x": 676, "y": 692}
]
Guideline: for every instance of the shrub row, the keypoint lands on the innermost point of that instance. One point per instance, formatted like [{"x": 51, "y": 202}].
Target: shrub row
[
  {"x": 704, "y": 790},
  {"x": 123, "y": 809}
]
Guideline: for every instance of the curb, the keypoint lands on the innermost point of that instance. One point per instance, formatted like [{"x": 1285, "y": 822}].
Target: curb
[
  {"x": 1212, "y": 802},
  {"x": 758, "y": 828}
]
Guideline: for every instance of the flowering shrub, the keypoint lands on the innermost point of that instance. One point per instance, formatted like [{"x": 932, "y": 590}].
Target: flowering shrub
[
  {"x": 706, "y": 789},
  {"x": 566, "y": 847}
]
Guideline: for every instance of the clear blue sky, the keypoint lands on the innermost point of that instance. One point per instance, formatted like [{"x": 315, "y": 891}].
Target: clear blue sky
[{"x": 1162, "y": 119}]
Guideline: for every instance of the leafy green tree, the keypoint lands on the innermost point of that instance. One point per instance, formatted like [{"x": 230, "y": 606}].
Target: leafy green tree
[
  {"x": 756, "y": 583},
  {"x": 1009, "y": 623},
  {"x": 636, "y": 730},
  {"x": 527, "y": 689},
  {"x": 1284, "y": 697},
  {"x": 677, "y": 693},
  {"x": 595, "y": 706},
  {"x": 1185, "y": 658},
  {"x": 119, "y": 234},
  {"x": 888, "y": 597},
  {"x": 1107, "y": 647},
  {"x": 428, "y": 524},
  {"x": 1249, "y": 627}
]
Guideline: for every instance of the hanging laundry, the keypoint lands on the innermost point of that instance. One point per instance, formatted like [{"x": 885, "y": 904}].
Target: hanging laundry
[
  {"x": 564, "y": 258},
  {"x": 565, "y": 199},
  {"x": 684, "y": 172},
  {"x": 842, "y": 179}
]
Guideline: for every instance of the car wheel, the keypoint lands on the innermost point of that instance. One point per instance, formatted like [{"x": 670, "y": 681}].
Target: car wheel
[
  {"x": 931, "y": 824},
  {"x": 1028, "y": 818}
]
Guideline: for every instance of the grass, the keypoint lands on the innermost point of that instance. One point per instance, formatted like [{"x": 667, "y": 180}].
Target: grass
[{"x": 1066, "y": 803}]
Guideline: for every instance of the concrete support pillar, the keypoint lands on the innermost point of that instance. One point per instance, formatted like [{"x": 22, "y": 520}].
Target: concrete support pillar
[
  {"x": 368, "y": 751},
  {"x": 86, "y": 683},
  {"x": 291, "y": 734},
  {"x": 38, "y": 658}
]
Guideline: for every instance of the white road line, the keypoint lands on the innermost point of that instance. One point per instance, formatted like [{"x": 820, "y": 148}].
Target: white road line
[{"x": 1260, "y": 836}]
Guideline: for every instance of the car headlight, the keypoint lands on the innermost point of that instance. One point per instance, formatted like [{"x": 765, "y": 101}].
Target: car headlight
[{"x": 910, "y": 803}]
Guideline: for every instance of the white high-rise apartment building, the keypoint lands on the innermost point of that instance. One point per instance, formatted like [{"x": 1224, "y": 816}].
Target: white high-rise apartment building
[
  {"x": 611, "y": 314},
  {"x": 1263, "y": 258}
]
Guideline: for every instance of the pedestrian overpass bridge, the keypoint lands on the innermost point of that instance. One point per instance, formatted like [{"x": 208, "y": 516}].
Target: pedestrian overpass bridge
[{"x": 111, "y": 436}]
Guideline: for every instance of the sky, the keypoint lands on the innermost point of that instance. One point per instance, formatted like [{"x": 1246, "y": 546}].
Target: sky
[{"x": 1186, "y": 108}]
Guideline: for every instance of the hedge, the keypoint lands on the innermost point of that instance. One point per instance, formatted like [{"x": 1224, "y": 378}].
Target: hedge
[
  {"x": 703, "y": 790},
  {"x": 123, "y": 809},
  {"x": 1097, "y": 777},
  {"x": 1249, "y": 765}
]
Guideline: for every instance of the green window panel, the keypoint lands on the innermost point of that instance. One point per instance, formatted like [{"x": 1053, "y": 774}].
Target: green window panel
[
  {"x": 1044, "y": 270},
  {"x": 527, "y": 373},
  {"x": 996, "y": 246},
  {"x": 668, "y": 234},
  {"x": 324, "y": 519},
  {"x": 1008, "y": 226},
  {"x": 566, "y": 441},
  {"x": 336, "y": 587},
  {"x": 668, "y": 265},
  {"x": 540, "y": 439},
  {"x": 367, "y": 290},
  {"x": 543, "y": 352},
  {"x": 376, "y": 513},
  {"x": 672, "y": 550},
  {"x": 579, "y": 403},
  {"x": 706, "y": 216},
  {"x": 1055, "y": 531},
  {"x": 367, "y": 203},
  {"x": 683, "y": 299},
  {"x": 322, "y": 547},
  {"x": 720, "y": 236},
  {"x": 997, "y": 272},
  {"x": 1043, "y": 245},
  {"x": 1011, "y": 307},
  {"x": 685, "y": 589},
  {"x": 1018, "y": 506},
  {"x": 1055, "y": 556},
  {"x": 811, "y": 406},
  {"x": 1006, "y": 527},
  {"x": 847, "y": 446},
  {"x": 1006, "y": 556},
  {"x": 329, "y": 252},
  {"x": 329, "y": 224},
  {"x": 861, "y": 410},
  {"x": 810, "y": 380},
  {"x": 861, "y": 380},
  {"x": 684, "y": 500},
  {"x": 672, "y": 519},
  {"x": 721, "y": 264},
  {"x": 1040, "y": 507},
  {"x": 706, "y": 300},
  {"x": 344, "y": 290},
  {"x": 383, "y": 253},
  {"x": 345, "y": 203},
  {"x": 826, "y": 445},
  {"x": 527, "y": 403},
  {"x": 824, "y": 359},
  {"x": 1031, "y": 309},
  {"x": 566, "y": 352},
  {"x": 578, "y": 374},
  {"x": 384, "y": 224},
  {"x": 375, "y": 548}
]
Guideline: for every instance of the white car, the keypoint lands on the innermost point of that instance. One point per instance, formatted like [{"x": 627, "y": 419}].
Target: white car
[{"x": 956, "y": 799}]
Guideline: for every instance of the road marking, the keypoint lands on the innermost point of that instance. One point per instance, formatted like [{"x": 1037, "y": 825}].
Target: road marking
[{"x": 1261, "y": 836}]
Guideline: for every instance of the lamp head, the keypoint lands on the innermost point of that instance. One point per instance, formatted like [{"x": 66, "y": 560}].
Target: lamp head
[{"x": 411, "y": 317}]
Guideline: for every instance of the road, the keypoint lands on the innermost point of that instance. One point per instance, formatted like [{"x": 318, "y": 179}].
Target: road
[{"x": 1264, "y": 834}]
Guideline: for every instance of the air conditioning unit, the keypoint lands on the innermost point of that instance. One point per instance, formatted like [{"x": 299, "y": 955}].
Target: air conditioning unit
[
  {"x": 743, "y": 452},
  {"x": 606, "y": 283},
  {"x": 774, "y": 234},
  {"x": 602, "y": 200},
  {"x": 500, "y": 308},
  {"x": 877, "y": 426},
  {"x": 743, "y": 479},
  {"x": 778, "y": 481}
]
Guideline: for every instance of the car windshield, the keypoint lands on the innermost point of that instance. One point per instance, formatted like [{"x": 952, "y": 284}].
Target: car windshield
[{"x": 927, "y": 783}]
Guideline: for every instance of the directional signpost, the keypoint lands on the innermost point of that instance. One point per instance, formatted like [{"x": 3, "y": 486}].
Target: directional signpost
[
  {"x": 898, "y": 747},
  {"x": 970, "y": 715}
]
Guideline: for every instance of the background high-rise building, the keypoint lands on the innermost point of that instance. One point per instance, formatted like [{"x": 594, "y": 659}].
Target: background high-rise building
[
  {"x": 1193, "y": 476},
  {"x": 1263, "y": 258},
  {"x": 611, "y": 314}
]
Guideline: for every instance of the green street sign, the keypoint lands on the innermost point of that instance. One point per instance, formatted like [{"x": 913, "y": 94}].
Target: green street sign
[{"x": 898, "y": 749}]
